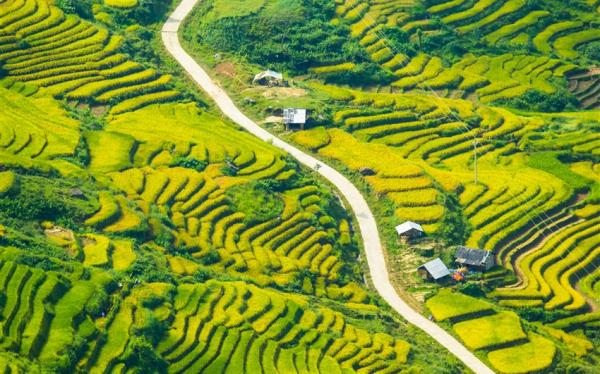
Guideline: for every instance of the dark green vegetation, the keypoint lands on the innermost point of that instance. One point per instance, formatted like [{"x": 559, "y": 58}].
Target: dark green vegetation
[
  {"x": 293, "y": 35},
  {"x": 258, "y": 201}
]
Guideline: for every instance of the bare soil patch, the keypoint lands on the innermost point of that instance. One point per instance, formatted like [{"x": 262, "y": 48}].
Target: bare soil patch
[
  {"x": 274, "y": 92},
  {"x": 227, "y": 69}
]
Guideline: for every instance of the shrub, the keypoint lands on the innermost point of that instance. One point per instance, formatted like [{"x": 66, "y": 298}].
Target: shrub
[
  {"x": 41, "y": 262},
  {"x": 256, "y": 200},
  {"x": 98, "y": 303},
  {"x": 147, "y": 267},
  {"x": 152, "y": 329},
  {"x": 229, "y": 170},
  {"x": 190, "y": 163},
  {"x": 145, "y": 12},
  {"x": 455, "y": 228},
  {"x": 211, "y": 258},
  {"x": 140, "y": 354},
  {"x": 590, "y": 51},
  {"x": 538, "y": 101},
  {"x": 44, "y": 199},
  {"x": 81, "y": 8}
]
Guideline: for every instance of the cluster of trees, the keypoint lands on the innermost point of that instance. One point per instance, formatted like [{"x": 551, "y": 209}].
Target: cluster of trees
[
  {"x": 539, "y": 101},
  {"x": 45, "y": 199},
  {"x": 292, "y": 39},
  {"x": 145, "y": 12},
  {"x": 257, "y": 200}
]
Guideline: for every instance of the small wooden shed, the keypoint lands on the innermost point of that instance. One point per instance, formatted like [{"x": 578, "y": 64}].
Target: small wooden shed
[
  {"x": 433, "y": 270},
  {"x": 409, "y": 230}
]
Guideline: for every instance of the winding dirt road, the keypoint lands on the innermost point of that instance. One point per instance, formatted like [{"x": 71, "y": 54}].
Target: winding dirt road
[{"x": 366, "y": 221}]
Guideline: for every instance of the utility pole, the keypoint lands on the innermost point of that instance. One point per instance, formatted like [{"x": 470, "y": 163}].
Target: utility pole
[{"x": 475, "y": 144}]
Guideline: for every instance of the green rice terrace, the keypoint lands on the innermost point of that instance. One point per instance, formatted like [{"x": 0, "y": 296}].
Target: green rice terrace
[{"x": 141, "y": 231}]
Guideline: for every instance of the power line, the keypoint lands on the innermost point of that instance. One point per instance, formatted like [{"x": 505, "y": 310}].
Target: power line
[{"x": 543, "y": 217}]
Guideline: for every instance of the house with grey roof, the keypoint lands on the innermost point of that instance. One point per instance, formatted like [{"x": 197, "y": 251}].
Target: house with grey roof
[
  {"x": 474, "y": 259},
  {"x": 433, "y": 270}
]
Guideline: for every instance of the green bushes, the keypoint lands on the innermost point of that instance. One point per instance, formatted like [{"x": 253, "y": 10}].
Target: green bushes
[
  {"x": 257, "y": 201},
  {"x": 150, "y": 268},
  {"x": 190, "y": 163},
  {"x": 538, "y": 101},
  {"x": 41, "y": 199},
  {"x": 140, "y": 353},
  {"x": 145, "y": 12},
  {"x": 81, "y": 8},
  {"x": 454, "y": 227}
]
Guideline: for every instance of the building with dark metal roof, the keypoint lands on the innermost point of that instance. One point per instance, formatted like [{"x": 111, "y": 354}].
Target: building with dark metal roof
[{"x": 475, "y": 259}]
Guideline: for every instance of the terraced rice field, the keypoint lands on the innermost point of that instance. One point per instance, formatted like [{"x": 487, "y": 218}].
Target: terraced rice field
[
  {"x": 538, "y": 217},
  {"x": 499, "y": 333},
  {"x": 35, "y": 128},
  {"x": 458, "y": 132},
  {"x": 74, "y": 59},
  {"x": 227, "y": 325},
  {"x": 416, "y": 133},
  {"x": 228, "y": 319},
  {"x": 158, "y": 257},
  {"x": 486, "y": 78}
]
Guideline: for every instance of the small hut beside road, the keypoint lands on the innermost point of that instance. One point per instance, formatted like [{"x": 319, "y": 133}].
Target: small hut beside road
[{"x": 409, "y": 230}]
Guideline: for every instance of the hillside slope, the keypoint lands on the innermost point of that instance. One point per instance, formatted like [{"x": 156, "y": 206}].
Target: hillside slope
[
  {"x": 139, "y": 231},
  {"x": 481, "y": 125}
]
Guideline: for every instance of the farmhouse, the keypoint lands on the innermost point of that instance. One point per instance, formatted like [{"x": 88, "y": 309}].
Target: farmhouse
[
  {"x": 433, "y": 270},
  {"x": 268, "y": 78},
  {"x": 409, "y": 230},
  {"x": 474, "y": 259},
  {"x": 294, "y": 117}
]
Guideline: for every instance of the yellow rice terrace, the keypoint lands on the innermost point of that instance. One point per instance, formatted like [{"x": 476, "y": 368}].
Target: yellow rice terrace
[{"x": 426, "y": 164}]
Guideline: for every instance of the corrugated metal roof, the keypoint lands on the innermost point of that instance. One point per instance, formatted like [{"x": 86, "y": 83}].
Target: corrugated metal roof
[
  {"x": 268, "y": 73},
  {"x": 471, "y": 256},
  {"x": 407, "y": 226},
  {"x": 437, "y": 268}
]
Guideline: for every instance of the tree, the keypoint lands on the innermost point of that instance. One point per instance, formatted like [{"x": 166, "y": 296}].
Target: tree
[
  {"x": 142, "y": 358},
  {"x": 455, "y": 229}
]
